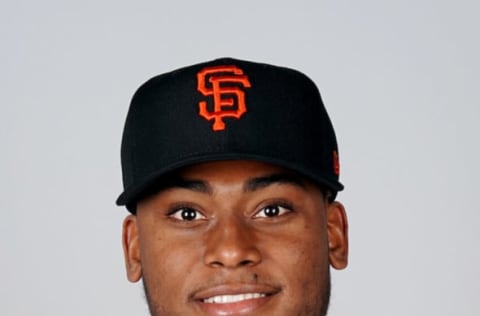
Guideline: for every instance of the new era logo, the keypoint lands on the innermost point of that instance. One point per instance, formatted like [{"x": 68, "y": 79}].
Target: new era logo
[{"x": 225, "y": 85}]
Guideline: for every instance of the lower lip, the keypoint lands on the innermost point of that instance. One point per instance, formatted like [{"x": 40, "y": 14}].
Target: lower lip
[{"x": 237, "y": 308}]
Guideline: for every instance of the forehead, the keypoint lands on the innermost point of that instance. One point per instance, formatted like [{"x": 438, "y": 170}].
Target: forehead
[
  {"x": 245, "y": 175},
  {"x": 237, "y": 175}
]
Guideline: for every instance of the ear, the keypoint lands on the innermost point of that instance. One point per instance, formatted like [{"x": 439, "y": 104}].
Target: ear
[
  {"x": 337, "y": 227},
  {"x": 131, "y": 249}
]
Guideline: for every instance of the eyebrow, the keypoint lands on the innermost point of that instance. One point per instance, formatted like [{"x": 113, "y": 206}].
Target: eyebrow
[
  {"x": 277, "y": 178},
  {"x": 188, "y": 184},
  {"x": 250, "y": 185}
]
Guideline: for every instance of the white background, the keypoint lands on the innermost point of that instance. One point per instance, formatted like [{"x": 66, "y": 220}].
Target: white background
[{"x": 400, "y": 80}]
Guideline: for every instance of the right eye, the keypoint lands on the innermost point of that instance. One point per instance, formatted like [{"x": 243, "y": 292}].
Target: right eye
[{"x": 186, "y": 214}]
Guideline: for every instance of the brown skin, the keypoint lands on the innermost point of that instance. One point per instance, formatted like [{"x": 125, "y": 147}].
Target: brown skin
[{"x": 231, "y": 246}]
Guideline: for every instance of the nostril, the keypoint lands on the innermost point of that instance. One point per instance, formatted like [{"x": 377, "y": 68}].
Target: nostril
[
  {"x": 216, "y": 264},
  {"x": 245, "y": 262}
]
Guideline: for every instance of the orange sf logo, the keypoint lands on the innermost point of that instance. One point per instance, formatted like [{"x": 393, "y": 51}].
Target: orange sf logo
[{"x": 225, "y": 85}]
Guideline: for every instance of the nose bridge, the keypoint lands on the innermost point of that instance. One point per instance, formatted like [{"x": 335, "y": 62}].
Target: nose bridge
[{"x": 231, "y": 243}]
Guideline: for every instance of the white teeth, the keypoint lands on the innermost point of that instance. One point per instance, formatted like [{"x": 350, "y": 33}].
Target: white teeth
[{"x": 225, "y": 299}]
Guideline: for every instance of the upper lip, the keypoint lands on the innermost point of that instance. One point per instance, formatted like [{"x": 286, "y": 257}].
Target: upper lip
[{"x": 234, "y": 289}]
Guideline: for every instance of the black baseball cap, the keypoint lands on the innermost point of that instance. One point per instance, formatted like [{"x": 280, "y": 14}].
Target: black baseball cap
[{"x": 226, "y": 109}]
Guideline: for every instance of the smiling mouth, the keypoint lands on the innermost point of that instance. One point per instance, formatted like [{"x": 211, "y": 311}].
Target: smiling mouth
[{"x": 226, "y": 299}]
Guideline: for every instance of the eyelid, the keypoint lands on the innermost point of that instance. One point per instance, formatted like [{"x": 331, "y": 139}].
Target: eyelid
[
  {"x": 178, "y": 208},
  {"x": 287, "y": 206}
]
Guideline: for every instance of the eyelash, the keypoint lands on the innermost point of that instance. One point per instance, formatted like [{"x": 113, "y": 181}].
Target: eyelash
[
  {"x": 177, "y": 212},
  {"x": 282, "y": 207}
]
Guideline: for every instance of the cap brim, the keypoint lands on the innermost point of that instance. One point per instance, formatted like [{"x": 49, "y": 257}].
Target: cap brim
[{"x": 132, "y": 194}]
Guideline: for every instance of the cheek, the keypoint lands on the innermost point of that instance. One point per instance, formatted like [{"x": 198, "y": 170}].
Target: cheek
[
  {"x": 303, "y": 244},
  {"x": 167, "y": 265},
  {"x": 305, "y": 258},
  {"x": 302, "y": 259}
]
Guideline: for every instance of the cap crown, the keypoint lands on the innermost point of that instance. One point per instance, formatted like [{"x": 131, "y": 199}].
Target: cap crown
[{"x": 227, "y": 109}]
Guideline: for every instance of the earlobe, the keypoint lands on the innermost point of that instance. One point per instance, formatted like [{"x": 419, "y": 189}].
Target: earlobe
[
  {"x": 131, "y": 248},
  {"x": 337, "y": 227}
]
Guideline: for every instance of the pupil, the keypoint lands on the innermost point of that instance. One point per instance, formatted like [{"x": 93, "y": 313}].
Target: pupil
[
  {"x": 188, "y": 214},
  {"x": 271, "y": 211}
]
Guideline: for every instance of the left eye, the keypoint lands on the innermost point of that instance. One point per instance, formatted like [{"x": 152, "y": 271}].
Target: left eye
[{"x": 272, "y": 211}]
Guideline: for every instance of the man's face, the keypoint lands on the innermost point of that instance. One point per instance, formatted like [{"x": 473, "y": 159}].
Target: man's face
[{"x": 236, "y": 238}]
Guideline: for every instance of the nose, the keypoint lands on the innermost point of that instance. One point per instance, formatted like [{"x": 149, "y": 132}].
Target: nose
[{"x": 231, "y": 244}]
